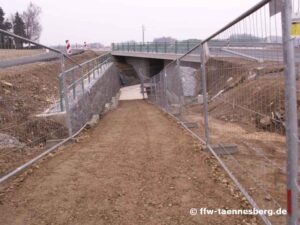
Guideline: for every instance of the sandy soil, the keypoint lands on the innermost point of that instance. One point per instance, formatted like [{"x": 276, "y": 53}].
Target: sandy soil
[
  {"x": 136, "y": 167},
  {"x": 6, "y": 54}
]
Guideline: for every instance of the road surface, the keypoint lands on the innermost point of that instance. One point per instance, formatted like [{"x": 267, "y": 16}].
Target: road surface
[
  {"x": 35, "y": 58},
  {"x": 260, "y": 54},
  {"x": 137, "y": 166}
]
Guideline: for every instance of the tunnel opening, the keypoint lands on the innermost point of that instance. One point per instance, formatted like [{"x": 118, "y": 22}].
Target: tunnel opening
[
  {"x": 135, "y": 73},
  {"x": 134, "y": 70}
]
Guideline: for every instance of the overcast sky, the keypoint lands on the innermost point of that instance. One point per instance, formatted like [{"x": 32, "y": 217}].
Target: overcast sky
[{"x": 109, "y": 21}]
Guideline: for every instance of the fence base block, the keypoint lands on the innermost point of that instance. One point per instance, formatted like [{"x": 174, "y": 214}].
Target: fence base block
[
  {"x": 228, "y": 149},
  {"x": 52, "y": 142},
  {"x": 191, "y": 125}
]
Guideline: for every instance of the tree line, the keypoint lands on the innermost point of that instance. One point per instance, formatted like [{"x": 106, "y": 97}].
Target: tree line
[{"x": 26, "y": 24}]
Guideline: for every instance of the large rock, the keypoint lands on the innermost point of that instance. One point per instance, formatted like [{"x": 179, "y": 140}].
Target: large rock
[
  {"x": 93, "y": 122},
  {"x": 7, "y": 141},
  {"x": 5, "y": 83},
  {"x": 265, "y": 122}
]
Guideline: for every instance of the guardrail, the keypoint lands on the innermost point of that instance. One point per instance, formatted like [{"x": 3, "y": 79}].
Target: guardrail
[
  {"x": 231, "y": 46},
  {"x": 177, "y": 47},
  {"x": 70, "y": 79}
]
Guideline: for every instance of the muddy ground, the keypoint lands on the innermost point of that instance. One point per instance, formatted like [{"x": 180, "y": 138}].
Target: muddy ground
[{"x": 136, "y": 167}]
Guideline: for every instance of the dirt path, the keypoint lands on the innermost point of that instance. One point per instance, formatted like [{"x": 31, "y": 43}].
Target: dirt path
[{"x": 136, "y": 167}]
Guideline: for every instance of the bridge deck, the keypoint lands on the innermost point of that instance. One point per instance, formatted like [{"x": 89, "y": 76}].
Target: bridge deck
[{"x": 152, "y": 55}]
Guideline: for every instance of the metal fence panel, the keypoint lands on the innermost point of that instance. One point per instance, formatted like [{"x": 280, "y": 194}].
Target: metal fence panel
[
  {"x": 42, "y": 105},
  {"x": 246, "y": 79},
  {"x": 25, "y": 92}
]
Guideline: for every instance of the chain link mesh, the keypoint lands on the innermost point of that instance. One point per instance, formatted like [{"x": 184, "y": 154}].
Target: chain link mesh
[
  {"x": 27, "y": 87},
  {"x": 246, "y": 103},
  {"x": 36, "y": 82}
]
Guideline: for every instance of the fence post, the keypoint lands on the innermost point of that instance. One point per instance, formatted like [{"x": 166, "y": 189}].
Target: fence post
[
  {"x": 141, "y": 76},
  {"x": 88, "y": 72},
  {"x": 291, "y": 114},
  {"x": 155, "y": 89},
  {"x": 204, "y": 92},
  {"x": 66, "y": 97},
  {"x": 61, "y": 96},
  {"x": 151, "y": 89},
  {"x": 82, "y": 79},
  {"x": 73, "y": 84},
  {"x": 165, "y": 88},
  {"x": 97, "y": 67},
  {"x": 94, "y": 68}
]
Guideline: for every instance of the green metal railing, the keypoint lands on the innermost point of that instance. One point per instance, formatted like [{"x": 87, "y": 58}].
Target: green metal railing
[
  {"x": 75, "y": 76},
  {"x": 176, "y": 47}
]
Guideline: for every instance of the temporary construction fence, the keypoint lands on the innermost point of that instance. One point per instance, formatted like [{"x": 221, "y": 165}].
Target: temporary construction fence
[
  {"x": 248, "y": 103},
  {"x": 28, "y": 87},
  {"x": 247, "y": 111}
]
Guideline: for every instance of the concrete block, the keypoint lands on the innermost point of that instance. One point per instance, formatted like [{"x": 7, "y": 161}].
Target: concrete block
[
  {"x": 226, "y": 149},
  {"x": 200, "y": 98},
  {"x": 93, "y": 122},
  {"x": 51, "y": 143},
  {"x": 191, "y": 125}
]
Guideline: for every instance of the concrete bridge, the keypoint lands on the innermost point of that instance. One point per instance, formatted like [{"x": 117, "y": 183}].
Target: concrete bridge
[
  {"x": 147, "y": 60},
  {"x": 256, "y": 51},
  {"x": 154, "y": 50}
]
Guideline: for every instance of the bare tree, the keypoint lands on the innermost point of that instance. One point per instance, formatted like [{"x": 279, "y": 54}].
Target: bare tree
[{"x": 31, "y": 18}]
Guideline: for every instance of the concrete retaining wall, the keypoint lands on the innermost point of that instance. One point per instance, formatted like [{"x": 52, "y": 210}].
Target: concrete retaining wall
[{"x": 93, "y": 102}]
